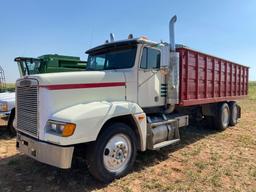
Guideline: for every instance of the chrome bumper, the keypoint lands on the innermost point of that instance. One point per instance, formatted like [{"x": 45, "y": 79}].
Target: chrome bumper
[{"x": 57, "y": 156}]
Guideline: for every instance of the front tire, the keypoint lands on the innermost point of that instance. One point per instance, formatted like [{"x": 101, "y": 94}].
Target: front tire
[{"x": 113, "y": 154}]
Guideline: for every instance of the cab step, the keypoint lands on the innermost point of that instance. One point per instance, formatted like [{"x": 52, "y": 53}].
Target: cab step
[{"x": 165, "y": 143}]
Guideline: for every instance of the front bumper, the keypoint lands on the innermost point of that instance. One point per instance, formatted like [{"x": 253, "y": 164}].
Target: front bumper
[{"x": 58, "y": 156}]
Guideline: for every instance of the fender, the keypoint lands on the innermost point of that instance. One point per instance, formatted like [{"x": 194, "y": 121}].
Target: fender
[{"x": 90, "y": 118}]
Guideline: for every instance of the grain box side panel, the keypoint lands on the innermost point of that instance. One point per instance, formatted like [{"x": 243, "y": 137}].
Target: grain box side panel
[{"x": 208, "y": 79}]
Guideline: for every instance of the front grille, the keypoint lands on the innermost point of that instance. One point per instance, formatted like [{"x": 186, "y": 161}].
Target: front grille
[{"x": 27, "y": 106}]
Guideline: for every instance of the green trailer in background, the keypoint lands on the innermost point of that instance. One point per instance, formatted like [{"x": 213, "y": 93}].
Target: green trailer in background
[{"x": 51, "y": 63}]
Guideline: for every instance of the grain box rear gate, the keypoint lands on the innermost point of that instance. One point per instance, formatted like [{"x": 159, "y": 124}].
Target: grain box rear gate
[{"x": 208, "y": 79}]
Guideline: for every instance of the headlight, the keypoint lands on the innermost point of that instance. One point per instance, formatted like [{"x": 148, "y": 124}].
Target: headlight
[
  {"x": 62, "y": 128},
  {"x": 4, "y": 107}
]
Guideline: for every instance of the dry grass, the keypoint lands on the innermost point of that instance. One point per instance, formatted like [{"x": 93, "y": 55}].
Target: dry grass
[
  {"x": 205, "y": 160},
  {"x": 10, "y": 87},
  {"x": 252, "y": 90}
]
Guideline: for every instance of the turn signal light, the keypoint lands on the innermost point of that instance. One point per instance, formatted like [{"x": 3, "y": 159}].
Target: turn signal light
[
  {"x": 141, "y": 117},
  {"x": 68, "y": 129}
]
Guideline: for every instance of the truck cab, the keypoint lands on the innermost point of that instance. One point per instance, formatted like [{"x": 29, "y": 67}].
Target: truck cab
[{"x": 138, "y": 61}]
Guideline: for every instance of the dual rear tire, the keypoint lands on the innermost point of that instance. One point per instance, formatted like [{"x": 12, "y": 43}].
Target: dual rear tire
[
  {"x": 226, "y": 115},
  {"x": 234, "y": 113}
]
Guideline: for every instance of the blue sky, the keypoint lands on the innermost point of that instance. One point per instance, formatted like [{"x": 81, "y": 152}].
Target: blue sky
[{"x": 32, "y": 28}]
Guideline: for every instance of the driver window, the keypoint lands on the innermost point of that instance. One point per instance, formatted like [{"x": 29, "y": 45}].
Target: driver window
[{"x": 150, "y": 59}]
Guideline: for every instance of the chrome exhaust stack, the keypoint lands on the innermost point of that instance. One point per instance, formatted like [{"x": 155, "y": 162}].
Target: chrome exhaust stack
[
  {"x": 172, "y": 78},
  {"x": 171, "y": 32}
]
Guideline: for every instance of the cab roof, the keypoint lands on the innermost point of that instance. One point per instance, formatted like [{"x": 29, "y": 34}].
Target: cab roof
[{"x": 126, "y": 42}]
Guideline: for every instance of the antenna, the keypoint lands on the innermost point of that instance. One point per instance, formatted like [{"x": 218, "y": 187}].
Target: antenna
[{"x": 112, "y": 37}]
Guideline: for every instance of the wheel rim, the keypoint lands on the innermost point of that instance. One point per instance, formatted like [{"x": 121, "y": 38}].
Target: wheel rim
[
  {"x": 225, "y": 117},
  {"x": 234, "y": 114},
  {"x": 117, "y": 153}
]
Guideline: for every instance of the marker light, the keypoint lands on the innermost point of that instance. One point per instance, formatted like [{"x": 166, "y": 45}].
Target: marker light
[
  {"x": 144, "y": 37},
  {"x": 130, "y": 36}
]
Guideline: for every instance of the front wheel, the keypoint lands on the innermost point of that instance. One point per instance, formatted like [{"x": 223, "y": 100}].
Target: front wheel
[{"x": 113, "y": 154}]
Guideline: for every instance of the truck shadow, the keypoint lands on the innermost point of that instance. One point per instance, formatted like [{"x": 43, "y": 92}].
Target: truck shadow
[
  {"x": 20, "y": 173},
  {"x": 189, "y": 135}
]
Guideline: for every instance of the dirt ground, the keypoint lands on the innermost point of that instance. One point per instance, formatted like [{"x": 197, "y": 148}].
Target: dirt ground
[{"x": 205, "y": 160}]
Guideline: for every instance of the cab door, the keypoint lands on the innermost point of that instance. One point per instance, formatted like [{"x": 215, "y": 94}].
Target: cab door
[{"x": 150, "y": 78}]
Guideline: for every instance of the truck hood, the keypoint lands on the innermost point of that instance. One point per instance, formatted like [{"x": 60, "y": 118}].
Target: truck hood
[
  {"x": 62, "y": 90},
  {"x": 81, "y": 77}
]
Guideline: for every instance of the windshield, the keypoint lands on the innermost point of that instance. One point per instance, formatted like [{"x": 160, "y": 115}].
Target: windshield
[
  {"x": 114, "y": 58},
  {"x": 29, "y": 67}
]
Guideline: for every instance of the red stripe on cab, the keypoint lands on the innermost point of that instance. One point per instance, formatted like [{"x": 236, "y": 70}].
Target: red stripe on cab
[{"x": 82, "y": 86}]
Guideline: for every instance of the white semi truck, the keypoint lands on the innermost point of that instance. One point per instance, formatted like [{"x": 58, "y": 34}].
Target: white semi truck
[{"x": 132, "y": 97}]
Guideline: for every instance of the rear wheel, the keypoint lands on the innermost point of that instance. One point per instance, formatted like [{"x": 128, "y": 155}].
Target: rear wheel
[
  {"x": 222, "y": 117},
  {"x": 233, "y": 113},
  {"x": 113, "y": 154}
]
